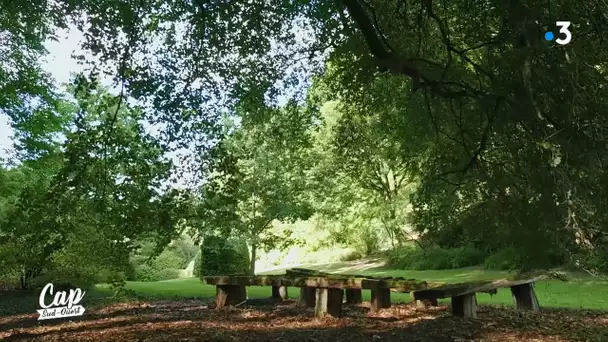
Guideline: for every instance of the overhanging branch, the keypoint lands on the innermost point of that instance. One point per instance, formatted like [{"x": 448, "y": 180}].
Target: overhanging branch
[
  {"x": 375, "y": 43},
  {"x": 388, "y": 60}
]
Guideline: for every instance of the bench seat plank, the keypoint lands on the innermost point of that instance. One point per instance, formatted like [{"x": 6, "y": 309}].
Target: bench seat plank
[
  {"x": 336, "y": 282},
  {"x": 394, "y": 285},
  {"x": 439, "y": 290}
]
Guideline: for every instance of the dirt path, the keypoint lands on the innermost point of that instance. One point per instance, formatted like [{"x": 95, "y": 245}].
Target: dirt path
[{"x": 197, "y": 321}]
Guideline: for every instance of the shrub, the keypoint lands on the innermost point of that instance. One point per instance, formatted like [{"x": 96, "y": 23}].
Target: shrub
[
  {"x": 221, "y": 256},
  {"x": 597, "y": 260},
  {"x": 370, "y": 242},
  {"x": 466, "y": 256},
  {"x": 145, "y": 273},
  {"x": 67, "y": 277},
  {"x": 167, "y": 259},
  {"x": 9, "y": 280},
  {"x": 148, "y": 273},
  {"x": 353, "y": 255},
  {"x": 434, "y": 258},
  {"x": 594, "y": 261},
  {"x": 108, "y": 276},
  {"x": 504, "y": 259},
  {"x": 167, "y": 274},
  {"x": 400, "y": 257},
  {"x": 130, "y": 272},
  {"x": 156, "y": 269},
  {"x": 73, "y": 267},
  {"x": 185, "y": 249}
]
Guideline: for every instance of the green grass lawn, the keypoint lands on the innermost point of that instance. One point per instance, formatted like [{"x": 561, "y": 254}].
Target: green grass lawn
[{"x": 580, "y": 292}]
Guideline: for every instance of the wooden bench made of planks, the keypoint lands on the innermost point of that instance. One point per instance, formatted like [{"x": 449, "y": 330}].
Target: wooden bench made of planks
[
  {"x": 298, "y": 272},
  {"x": 464, "y": 301},
  {"x": 325, "y": 293}
]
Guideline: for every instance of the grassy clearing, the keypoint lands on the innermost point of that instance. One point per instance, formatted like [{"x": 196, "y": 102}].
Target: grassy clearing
[{"x": 580, "y": 292}]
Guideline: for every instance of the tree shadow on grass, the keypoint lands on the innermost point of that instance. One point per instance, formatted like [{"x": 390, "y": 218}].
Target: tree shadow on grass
[{"x": 195, "y": 320}]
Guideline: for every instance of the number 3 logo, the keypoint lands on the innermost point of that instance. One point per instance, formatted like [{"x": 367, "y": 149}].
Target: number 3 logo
[{"x": 564, "y": 29}]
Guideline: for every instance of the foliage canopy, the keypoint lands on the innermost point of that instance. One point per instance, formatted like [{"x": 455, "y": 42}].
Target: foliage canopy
[{"x": 503, "y": 133}]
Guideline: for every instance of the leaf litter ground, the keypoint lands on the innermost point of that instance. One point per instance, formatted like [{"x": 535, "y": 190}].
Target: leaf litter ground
[{"x": 195, "y": 320}]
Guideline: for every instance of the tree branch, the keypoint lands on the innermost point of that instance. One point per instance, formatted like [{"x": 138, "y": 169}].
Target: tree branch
[
  {"x": 389, "y": 61},
  {"x": 386, "y": 59},
  {"x": 482, "y": 145}
]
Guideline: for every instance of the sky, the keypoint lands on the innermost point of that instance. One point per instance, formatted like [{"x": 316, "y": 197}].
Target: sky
[{"x": 5, "y": 135}]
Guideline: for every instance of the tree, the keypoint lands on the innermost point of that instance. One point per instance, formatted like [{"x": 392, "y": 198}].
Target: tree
[
  {"x": 362, "y": 142},
  {"x": 518, "y": 122},
  {"x": 366, "y": 153},
  {"x": 263, "y": 178},
  {"x": 103, "y": 191}
]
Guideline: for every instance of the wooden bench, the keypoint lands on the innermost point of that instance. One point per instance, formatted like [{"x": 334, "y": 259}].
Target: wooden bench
[
  {"x": 351, "y": 296},
  {"x": 325, "y": 293},
  {"x": 464, "y": 300}
]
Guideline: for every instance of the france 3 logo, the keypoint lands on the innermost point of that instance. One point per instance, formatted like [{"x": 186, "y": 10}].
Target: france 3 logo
[{"x": 563, "y": 37}]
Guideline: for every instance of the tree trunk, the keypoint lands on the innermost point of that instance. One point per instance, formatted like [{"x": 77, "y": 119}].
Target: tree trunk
[
  {"x": 25, "y": 278},
  {"x": 253, "y": 256},
  {"x": 22, "y": 281},
  {"x": 389, "y": 232}
]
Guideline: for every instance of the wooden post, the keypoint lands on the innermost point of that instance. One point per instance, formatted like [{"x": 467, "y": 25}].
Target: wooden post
[
  {"x": 465, "y": 305},
  {"x": 524, "y": 297},
  {"x": 328, "y": 302},
  {"x": 280, "y": 292},
  {"x": 283, "y": 293},
  {"x": 321, "y": 303},
  {"x": 381, "y": 299},
  {"x": 334, "y": 302},
  {"x": 229, "y": 295},
  {"x": 354, "y": 296},
  {"x": 307, "y": 296},
  {"x": 275, "y": 292}
]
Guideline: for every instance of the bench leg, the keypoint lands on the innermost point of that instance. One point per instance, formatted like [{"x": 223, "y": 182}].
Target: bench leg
[
  {"x": 229, "y": 295},
  {"x": 425, "y": 303},
  {"x": 328, "y": 302},
  {"x": 307, "y": 296},
  {"x": 465, "y": 306},
  {"x": 354, "y": 296},
  {"x": 525, "y": 297},
  {"x": 275, "y": 292},
  {"x": 381, "y": 299},
  {"x": 279, "y": 292}
]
